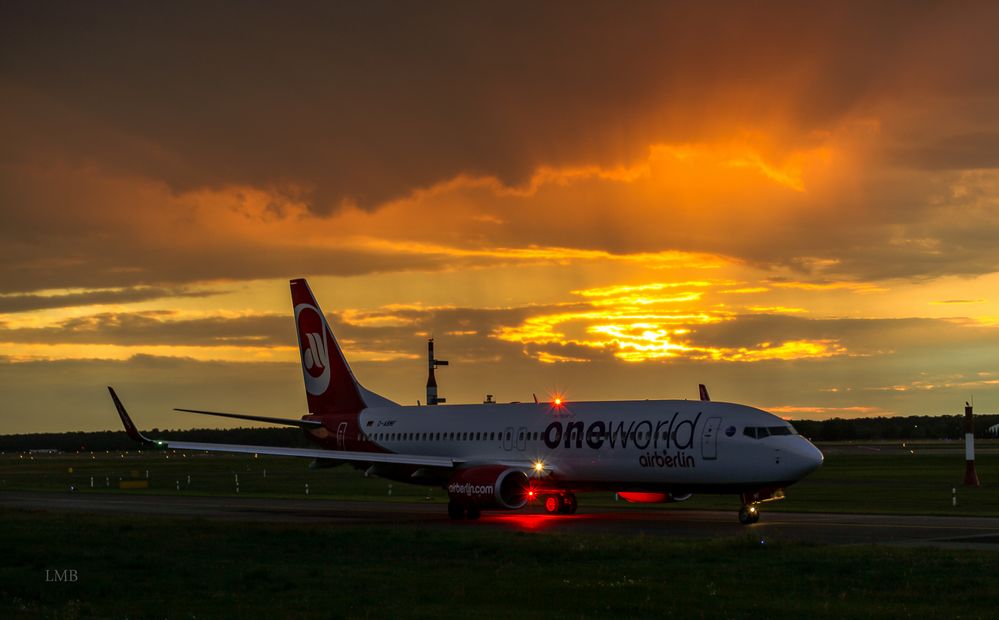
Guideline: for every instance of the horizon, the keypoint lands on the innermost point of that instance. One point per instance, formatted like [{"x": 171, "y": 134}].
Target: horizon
[{"x": 797, "y": 206}]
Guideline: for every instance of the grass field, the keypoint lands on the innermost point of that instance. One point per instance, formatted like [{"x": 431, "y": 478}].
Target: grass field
[
  {"x": 867, "y": 478},
  {"x": 189, "y": 568},
  {"x": 193, "y": 569}
]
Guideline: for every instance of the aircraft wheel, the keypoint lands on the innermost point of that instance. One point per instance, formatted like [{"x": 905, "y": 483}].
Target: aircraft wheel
[
  {"x": 569, "y": 503},
  {"x": 553, "y": 504},
  {"x": 474, "y": 512},
  {"x": 456, "y": 511},
  {"x": 748, "y": 515}
]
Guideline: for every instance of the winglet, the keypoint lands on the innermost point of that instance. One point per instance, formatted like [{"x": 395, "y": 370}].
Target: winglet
[
  {"x": 133, "y": 432},
  {"x": 704, "y": 391}
]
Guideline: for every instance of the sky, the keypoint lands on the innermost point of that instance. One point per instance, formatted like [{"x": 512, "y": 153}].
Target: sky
[{"x": 794, "y": 203}]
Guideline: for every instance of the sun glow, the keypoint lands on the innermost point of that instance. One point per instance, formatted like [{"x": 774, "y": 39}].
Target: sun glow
[{"x": 625, "y": 320}]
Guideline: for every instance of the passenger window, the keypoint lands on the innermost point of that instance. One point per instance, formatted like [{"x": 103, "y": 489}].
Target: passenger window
[
  {"x": 492, "y": 436},
  {"x": 508, "y": 436}
]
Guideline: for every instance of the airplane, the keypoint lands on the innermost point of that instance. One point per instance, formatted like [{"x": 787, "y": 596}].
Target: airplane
[{"x": 499, "y": 457}]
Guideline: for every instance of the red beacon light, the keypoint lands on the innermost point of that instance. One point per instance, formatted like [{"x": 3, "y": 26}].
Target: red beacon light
[{"x": 558, "y": 400}]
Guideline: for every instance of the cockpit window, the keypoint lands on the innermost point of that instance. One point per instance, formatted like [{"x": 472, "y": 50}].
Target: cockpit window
[{"x": 759, "y": 432}]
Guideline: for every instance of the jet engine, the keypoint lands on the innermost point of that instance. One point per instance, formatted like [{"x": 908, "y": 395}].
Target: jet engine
[{"x": 489, "y": 487}]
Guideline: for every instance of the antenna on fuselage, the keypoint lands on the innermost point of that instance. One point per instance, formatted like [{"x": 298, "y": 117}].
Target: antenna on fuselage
[{"x": 704, "y": 391}]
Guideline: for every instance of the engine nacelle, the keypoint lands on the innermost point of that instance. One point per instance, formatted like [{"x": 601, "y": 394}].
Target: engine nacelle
[
  {"x": 636, "y": 497},
  {"x": 489, "y": 486}
]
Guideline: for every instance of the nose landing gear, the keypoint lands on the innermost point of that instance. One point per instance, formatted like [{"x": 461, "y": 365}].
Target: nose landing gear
[
  {"x": 749, "y": 514},
  {"x": 751, "y": 500}
]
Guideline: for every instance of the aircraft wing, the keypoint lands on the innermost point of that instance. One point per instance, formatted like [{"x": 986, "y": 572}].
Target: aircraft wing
[{"x": 311, "y": 453}]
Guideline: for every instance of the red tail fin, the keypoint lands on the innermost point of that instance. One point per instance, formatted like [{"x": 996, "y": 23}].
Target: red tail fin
[
  {"x": 329, "y": 383},
  {"x": 704, "y": 391}
]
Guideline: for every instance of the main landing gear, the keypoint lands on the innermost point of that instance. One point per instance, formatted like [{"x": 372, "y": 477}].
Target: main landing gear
[
  {"x": 458, "y": 511},
  {"x": 564, "y": 503},
  {"x": 749, "y": 514}
]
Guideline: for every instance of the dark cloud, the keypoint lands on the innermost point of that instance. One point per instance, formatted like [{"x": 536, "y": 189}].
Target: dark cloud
[
  {"x": 394, "y": 331},
  {"x": 955, "y": 152},
  {"x": 160, "y": 328},
  {"x": 114, "y": 120},
  {"x": 365, "y": 102},
  {"x": 26, "y": 303}
]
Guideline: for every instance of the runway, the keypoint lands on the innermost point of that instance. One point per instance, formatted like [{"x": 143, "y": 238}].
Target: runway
[{"x": 980, "y": 532}]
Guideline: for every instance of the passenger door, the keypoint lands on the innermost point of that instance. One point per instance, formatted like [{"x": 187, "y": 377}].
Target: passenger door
[{"x": 709, "y": 439}]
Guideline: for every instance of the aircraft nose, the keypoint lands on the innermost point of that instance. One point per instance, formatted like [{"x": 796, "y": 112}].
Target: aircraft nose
[{"x": 808, "y": 458}]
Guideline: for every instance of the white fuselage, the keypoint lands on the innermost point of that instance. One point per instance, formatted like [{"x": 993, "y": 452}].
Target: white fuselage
[{"x": 667, "y": 444}]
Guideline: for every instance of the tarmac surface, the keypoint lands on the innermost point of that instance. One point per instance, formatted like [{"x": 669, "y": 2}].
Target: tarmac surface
[{"x": 977, "y": 532}]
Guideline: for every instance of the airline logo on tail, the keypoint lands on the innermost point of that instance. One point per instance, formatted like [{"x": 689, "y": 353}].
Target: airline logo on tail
[{"x": 312, "y": 342}]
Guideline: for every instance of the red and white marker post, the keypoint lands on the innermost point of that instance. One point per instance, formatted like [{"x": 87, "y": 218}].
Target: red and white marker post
[{"x": 970, "y": 475}]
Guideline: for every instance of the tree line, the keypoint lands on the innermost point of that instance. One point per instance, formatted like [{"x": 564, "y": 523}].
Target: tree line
[{"x": 908, "y": 427}]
